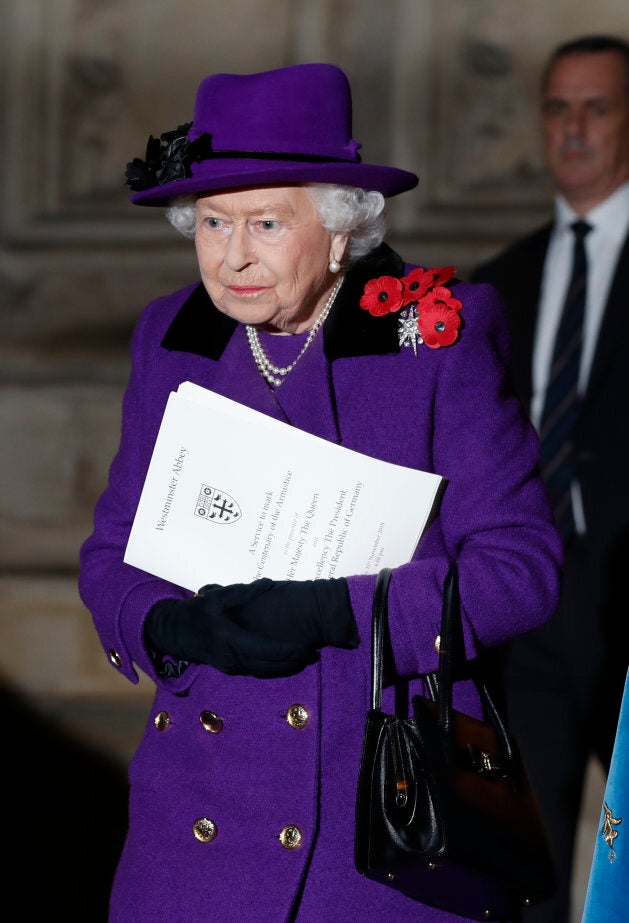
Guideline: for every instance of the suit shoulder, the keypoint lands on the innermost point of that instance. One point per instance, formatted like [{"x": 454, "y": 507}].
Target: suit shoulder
[{"x": 517, "y": 254}]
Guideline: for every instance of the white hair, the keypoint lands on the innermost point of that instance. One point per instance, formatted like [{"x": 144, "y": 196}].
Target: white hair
[{"x": 342, "y": 209}]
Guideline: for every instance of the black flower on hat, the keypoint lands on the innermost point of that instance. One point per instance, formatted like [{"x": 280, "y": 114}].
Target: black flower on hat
[{"x": 168, "y": 158}]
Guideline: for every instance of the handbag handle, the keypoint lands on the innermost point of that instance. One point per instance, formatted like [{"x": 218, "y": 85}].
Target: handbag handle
[
  {"x": 450, "y": 641},
  {"x": 379, "y": 621},
  {"x": 451, "y": 651},
  {"x": 379, "y": 616}
]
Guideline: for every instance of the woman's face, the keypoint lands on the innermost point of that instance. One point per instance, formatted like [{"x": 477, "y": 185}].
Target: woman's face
[{"x": 264, "y": 255}]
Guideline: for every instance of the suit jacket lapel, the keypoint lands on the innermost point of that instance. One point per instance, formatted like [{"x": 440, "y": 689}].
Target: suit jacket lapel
[{"x": 614, "y": 329}]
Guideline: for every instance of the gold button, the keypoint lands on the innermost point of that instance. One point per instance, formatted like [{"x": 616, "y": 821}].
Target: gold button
[
  {"x": 162, "y": 720},
  {"x": 297, "y": 716},
  {"x": 438, "y": 643},
  {"x": 205, "y": 830},
  {"x": 114, "y": 658},
  {"x": 290, "y": 837},
  {"x": 211, "y": 722}
]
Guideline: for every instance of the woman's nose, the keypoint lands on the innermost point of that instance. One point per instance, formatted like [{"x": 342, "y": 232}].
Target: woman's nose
[{"x": 239, "y": 251}]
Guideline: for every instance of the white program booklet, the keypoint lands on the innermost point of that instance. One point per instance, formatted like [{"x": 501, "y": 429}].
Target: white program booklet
[{"x": 232, "y": 495}]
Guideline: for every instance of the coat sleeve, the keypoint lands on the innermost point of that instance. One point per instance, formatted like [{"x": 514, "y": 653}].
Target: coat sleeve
[
  {"x": 494, "y": 519},
  {"x": 118, "y": 595}
]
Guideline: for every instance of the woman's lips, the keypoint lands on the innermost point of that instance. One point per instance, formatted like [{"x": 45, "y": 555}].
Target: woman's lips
[{"x": 245, "y": 290}]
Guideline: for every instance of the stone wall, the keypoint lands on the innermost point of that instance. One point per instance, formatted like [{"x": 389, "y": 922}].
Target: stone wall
[{"x": 444, "y": 88}]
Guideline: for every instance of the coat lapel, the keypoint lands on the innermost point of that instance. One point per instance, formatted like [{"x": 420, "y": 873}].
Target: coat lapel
[
  {"x": 200, "y": 328},
  {"x": 350, "y": 331}
]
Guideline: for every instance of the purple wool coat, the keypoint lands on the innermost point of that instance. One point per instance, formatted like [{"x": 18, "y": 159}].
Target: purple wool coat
[{"x": 447, "y": 410}]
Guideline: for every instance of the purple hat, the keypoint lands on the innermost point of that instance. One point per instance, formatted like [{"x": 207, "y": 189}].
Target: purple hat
[{"x": 290, "y": 125}]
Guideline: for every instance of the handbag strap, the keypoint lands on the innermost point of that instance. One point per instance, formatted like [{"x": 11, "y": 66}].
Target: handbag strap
[
  {"x": 454, "y": 654},
  {"x": 450, "y": 615},
  {"x": 450, "y": 643},
  {"x": 378, "y": 622}
]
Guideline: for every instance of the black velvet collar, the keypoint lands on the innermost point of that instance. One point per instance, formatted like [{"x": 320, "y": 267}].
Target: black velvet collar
[{"x": 200, "y": 328}]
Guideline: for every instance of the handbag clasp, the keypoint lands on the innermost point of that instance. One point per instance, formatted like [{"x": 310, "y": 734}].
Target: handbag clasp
[
  {"x": 401, "y": 783},
  {"x": 485, "y": 763}
]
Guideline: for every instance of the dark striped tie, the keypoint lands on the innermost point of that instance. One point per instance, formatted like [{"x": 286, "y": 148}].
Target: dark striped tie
[{"x": 561, "y": 406}]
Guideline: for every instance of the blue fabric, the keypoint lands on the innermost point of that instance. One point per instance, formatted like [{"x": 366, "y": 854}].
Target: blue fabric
[{"x": 606, "y": 898}]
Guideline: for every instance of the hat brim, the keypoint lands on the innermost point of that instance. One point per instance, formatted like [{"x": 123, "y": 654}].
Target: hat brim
[{"x": 217, "y": 174}]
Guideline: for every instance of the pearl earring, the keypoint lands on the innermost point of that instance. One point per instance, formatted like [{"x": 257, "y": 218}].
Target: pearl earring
[{"x": 334, "y": 266}]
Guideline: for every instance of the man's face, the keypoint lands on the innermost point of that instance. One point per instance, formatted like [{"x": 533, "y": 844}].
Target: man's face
[{"x": 586, "y": 126}]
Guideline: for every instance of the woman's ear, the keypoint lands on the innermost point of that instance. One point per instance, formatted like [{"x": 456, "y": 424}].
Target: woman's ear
[{"x": 338, "y": 246}]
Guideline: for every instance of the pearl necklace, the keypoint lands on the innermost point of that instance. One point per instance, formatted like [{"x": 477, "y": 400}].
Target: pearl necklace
[{"x": 274, "y": 374}]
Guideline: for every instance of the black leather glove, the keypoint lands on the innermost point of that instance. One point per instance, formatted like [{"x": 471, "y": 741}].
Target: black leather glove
[
  {"x": 202, "y": 629},
  {"x": 317, "y": 613}
]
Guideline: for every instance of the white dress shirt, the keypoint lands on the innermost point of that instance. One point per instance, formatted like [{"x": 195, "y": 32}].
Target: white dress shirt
[{"x": 610, "y": 225}]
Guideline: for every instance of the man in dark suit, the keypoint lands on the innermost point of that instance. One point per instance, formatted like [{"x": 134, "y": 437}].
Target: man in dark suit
[{"x": 564, "y": 681}]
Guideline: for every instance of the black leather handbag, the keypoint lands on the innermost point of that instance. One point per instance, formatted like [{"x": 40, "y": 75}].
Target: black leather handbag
[{"x": 445, "y": 812}]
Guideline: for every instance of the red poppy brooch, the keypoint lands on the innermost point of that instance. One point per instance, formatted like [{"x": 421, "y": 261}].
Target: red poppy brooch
[{"x": 429, "y": 313}]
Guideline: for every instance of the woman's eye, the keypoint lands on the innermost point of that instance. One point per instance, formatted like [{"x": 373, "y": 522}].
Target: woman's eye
[
  {"x": 269, "y": 225},
  {"x": 214, "y": 224}
]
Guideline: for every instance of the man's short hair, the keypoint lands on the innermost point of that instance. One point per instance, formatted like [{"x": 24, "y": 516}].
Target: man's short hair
[{"x": 588, "y": 44}]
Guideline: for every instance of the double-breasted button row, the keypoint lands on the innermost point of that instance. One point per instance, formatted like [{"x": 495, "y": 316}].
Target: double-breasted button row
[
  {"x": 205, "y": 830},
  {"x": 209, "y": 719},
  {"x": 297, "y": 716}
]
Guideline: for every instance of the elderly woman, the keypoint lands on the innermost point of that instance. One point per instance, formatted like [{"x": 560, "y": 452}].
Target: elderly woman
[{"x": 243, "y": 787}]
